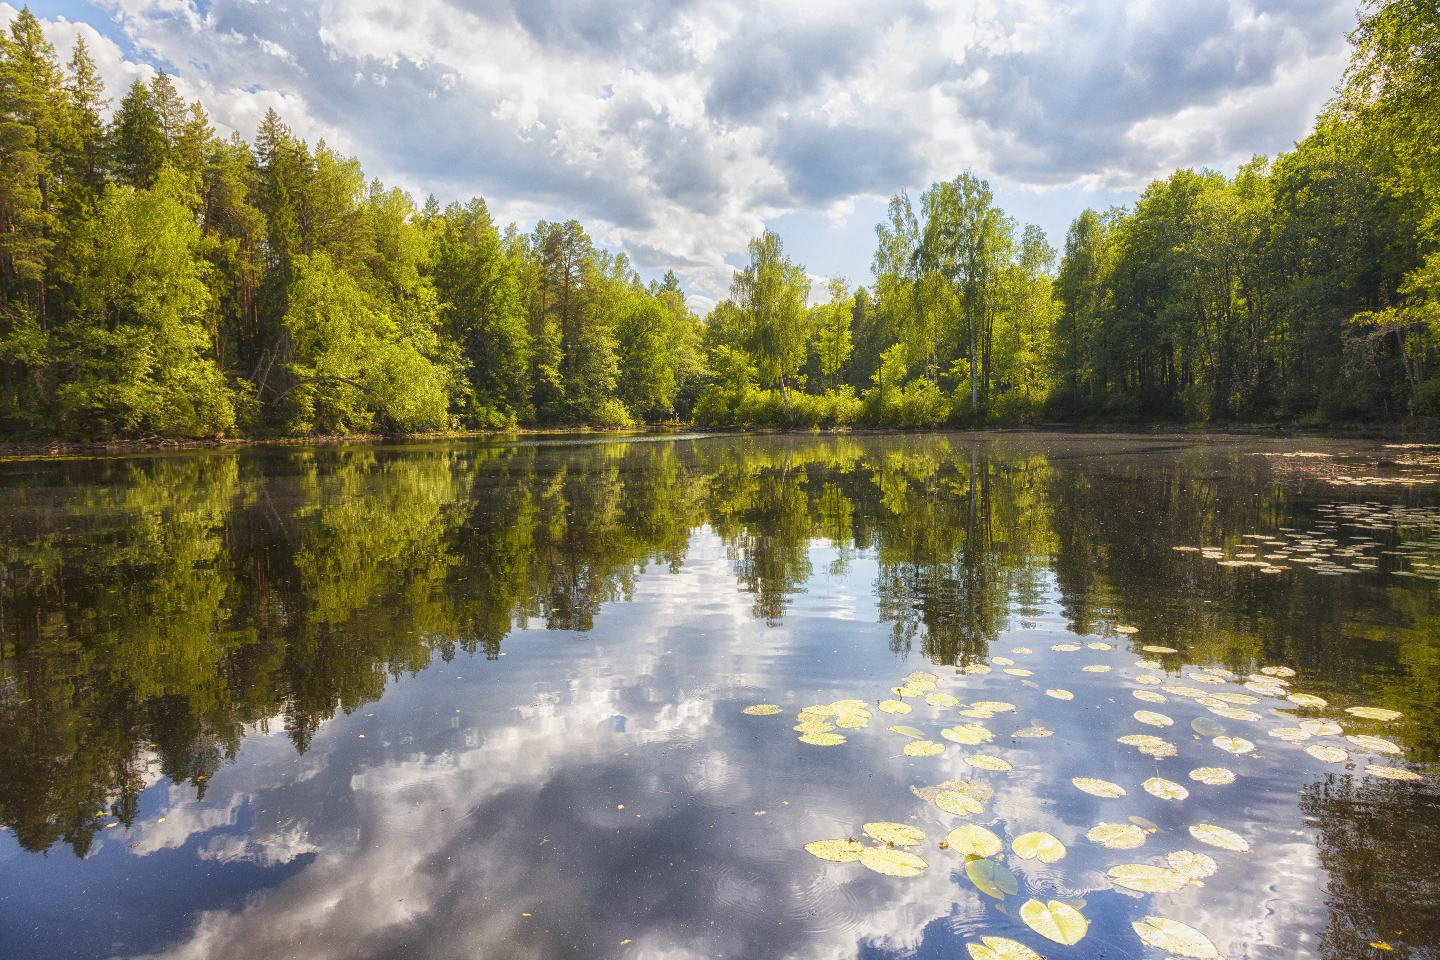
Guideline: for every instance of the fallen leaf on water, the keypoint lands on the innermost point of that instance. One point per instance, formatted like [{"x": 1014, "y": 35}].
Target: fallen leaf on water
[
  {"x": 1220, "y": 837},
  {"x": 1328, "y": 754},
  {"x": 894, "y": 706},
  {"x": 1176, "y": 937},
  {"x": 1236, "y": 745},
  {"x": 1381, "y": 945},
  {"x": 1147, "y": 879},
  {"x": 623, "y": 942},
  {"x": 840, "y": 851},
  {"x": 986, "y": 762},
  {"x": 1054, "y": 921},
  {"x": 992, "y": 877},
  {"x": 1378, "y": 744},
  {"x": 821, "y": 739},
  {"x": 972, "y": 840},
  {"x": 1193, "y": 865},
  {"x": 900, "y": 834},
  {"x": 1116, "y": 836},
  {"x": 923, "y": 748},
  {"x": 1374, "y": 713},
  {"x": 1165, "y": 789},
  {"x": 1214, "y": 776},
  {"x": 1038, "y": 845},
  {"x": 1099, "y": 788},
  {"x": 761, "y": 710},
  {"x": 1391, "y": 773},
  {"x": 892, "y": 863},
  {"x": 999, "y": 948},
  {"x": 1060, "y": 694}
]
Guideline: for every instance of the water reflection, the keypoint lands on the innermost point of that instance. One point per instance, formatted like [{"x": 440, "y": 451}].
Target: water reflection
[{"x": 280, "y": 653}]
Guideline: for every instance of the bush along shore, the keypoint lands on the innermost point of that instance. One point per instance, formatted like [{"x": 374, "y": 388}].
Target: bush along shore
[{"x": 158, "y": 280}]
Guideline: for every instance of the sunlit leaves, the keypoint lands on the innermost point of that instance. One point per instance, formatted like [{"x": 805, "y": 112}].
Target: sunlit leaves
[
  {"x": 1378, "y": 744},
  {"x": 1098, "y": 788},
  {"x": 908, "y": 731},
  {"x": 859, "y": 718},
  {"x": 1055, "y": 921},
  {"x": 1019, "y": 672},
  {"x": 892, "y": 863},
  {"x": 1038, "y": 845},
  {"x": 842, "y": 707},
  {"x": 1328, "y": 754},
  {"x": 1165, "y": 789},
  {"x": 986, "y": 762},
  {"x": 1176, "y": 937},
  {"x": 840, "y": 851},
  {"x": 941, "y": 700},
  {"x": 1003, "y": 661},
  {"x": 1159, "y": 649},
  {"x": 1147, "y": 879},
  {"x": 972, "y": 840},
  {"x": 820, "y": 711},
  {"x": 1321, "y": 728},
  {"x": 1220, "y": 837},
  {"x": 1125, "y": 629},
  {"x": 1214, "y": 776},
  {"x": 1195, "y": 866},
  {"x": 1060, "y": 694},
  {"x": 999, "y": 948},
  {"x": 1374, "y": 713},
  {"x": 970, "y": 733},
  {"x": 1308, "y": 700},
  {"x": 923, "y": 748},
  {"x": 960, "y": 804},
  {"x": 762, "y": 710},
  {"x": 1277, "y": 671},
  {"x": 1116, "y": 836},
  {"x": 1067, "y": 647},
  {"x": 1235, "y": 745},
  {"x": 900, "y": 834},
  {"x": 993, "y": 706},
  {"x": 1153, "y": 719},
  {"x": 1150, "y": 696},
  {"x": 813, "y": 726},
  {"x": 894, "y": 706},
  {"x": 1233, "y": 713},
  {"x": 1099, "y": 646},
  {"x": 1153, "y": 746},
  {"x": 992, "y": 877},
  {"x": 1292, "y": 734},
  {"x": 1391, "y": 773},
  {"x": 1096, "y": 668},
  {"x": 821, "y": 739}
]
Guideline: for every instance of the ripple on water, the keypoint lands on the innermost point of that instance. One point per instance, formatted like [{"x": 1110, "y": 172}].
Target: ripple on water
[{"x": 829, "y": 899}]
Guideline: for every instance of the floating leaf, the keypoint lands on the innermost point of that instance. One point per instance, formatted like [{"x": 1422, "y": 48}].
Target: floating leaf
[
  {"x": 1149, "y": 664},
  {"x": 1147, "y": 879},
  {"x": 1124, "y": 629},
  {"x": 814, "y": 726},
  {"x": 1116, "y": 836},
  {"x": 1235, "y": 745},
  {"x": 960, "y": 804},
  {"x": 851, "y": 720},
  {"x": 922, "y": 677},
  {"x": 1099, "y": 646},
  {"x": 1378, "y": 744},
  {"x": 1374, "y": 713},
  {"x": 977, "y": 714},
  {"x": 1153, "y": 718},
  {"x": 1019, "y": 672},
  {"x": 1150, "y": 825},
  {"x": 1220, "y": 837},
  {"x": 1277, "y": 671},
  {"x": 994, "y": 706},
  {"x": 1146, "y": 678},
  {"x": 1214, "y": 776},
  {"x": 821, "y": 739},
  {"x": 1141, "y": 740},
  {"x": 840, "y": 851},
  {"x": 1266, "y": 689},
  {"x": 941, "y": 700},
  {"x": 1054, "y": 921},
  {"x": 1159, "y": 649},
  {"x": 978, "y": 668},
  {"x": 1096, "y": 668},
  {"x": 1066, "y": 647},
  {"x": 1328, "y": 754},
  {"x": 1060, "y": 694},
  {"x": 1165, "y": 789},
  {"x": 894, "y": 706},
  {"x": 1032, "y": 732},
  {"x": 1220, "y": 671},
  {"x": 1206, "y": 727},
  {"x": 1321, "y": 728},
  {"x": 909, "y": 732},
  {"x": 762, "y": 710},
  {"x": 1184, "y": 691},
  {"x": 972, "y": 840},
  {"x": 970, "y": 733},
  {"x": 1150, "y": 696},
  {"x": 923, "y": 748},
  {"x": 1292, "y": 734},
  {"x": 1099, "y": 788},
  {"x": 900, "y": 834},
  {"x": 892, "y": 863},
  {"x": 1003, "y": 661},
  {"x": 999, "y": 948},
  {"x": 1038, "y": 845},
  {"x": 1176, "y": 937},
  {"x": 909, "y": 690},
  {"x": 992, "y": 877},
  {"x": 1022, "y": 650},
  {"x": 1206, "y": 678},
  {"x": 1391, "y": 773},
  {"x": 1196, "y": 866},
  {"x": 1234, "y": 713},
  {"x": 819, "y": 711},
  {"x": 849, "y": 706},
  {"x": 1244, "y": 698},
  {"x": 985, "y": 762},
  {"x": 1309, "y": 700}
]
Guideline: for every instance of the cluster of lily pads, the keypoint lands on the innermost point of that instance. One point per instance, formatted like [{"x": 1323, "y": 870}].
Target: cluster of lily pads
[{"x": 1061, "y": 920}]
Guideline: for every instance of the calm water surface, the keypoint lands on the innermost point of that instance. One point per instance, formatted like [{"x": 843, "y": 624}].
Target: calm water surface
[{"x": 485, "y": 699}]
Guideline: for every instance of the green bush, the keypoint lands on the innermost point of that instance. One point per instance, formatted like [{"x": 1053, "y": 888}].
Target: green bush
[{"x": 1427, "y": 399}]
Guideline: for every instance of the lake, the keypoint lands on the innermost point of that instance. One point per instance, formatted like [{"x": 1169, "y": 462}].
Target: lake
[{"x": 1156, "y": 696}]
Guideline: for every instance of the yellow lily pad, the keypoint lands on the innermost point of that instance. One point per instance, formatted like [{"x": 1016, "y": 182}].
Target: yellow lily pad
[
  {"x": 1328, "y": 754},
  {"x": 1235, "y": 745},
  {"x": 1374, "y": 713},
  {"x": 1291, "y": 734},
  {"x": 1308, "y": 700},
  {"x": 840, "y": 851},
  {"x": 972, "y": 840},
  {"x": 978, "y": 668},
  {"x": 1149, "y": 696},
  {"x": 1153, "y": 649},
  {"x": 908, "y": 731},
  {"x": 1176, "y": 937},
  {"x": 814, "y": 726},
  {"x": 1214, "y": 776},
  {"x": 992, "y": 877},
  {"x": 1003, "y": 661},
  {"x": 1038, "y": 845},
  {"x": 1321, "y": 728},
  {"x": 1234, "y": 713},
  {"x": 1116, "y": 836},
  {"x": 941, "y": 700},
  {"x": 1067, "y": 647},
  {"x": 819, "y": 711},
  {"x": 923, "y": 748},
  {"x": 1378, "y": 744},
  {"x": 994, "y": 706},
  {"x": 1124, "y": 629},
  {"x": 849, "y": 706},
  {"x": 1099, "y": 788},
  {"x": 1165, "y": 789},
  {"x": 1147, "y": 879},
  {"x": 892, "y": 863},
  {"x": 1060, "y": 694},
  {"x": 960, "y": 804},
  {"x": 852, "y": 720},
  {"x": 920, "y": 676},
  {"x": 1055, "y": 921},
  {"x": 1391, "y": 773},
  {"x": 1096, "y": 668},
  {"x": 1153, "y": 718},
  {"x": 1022, "y": 650},
  {"x": 1277, "y": 671},
  {"x": 970, "y": 733},
  {"x": 985, "y": 762},
  {"x": 1019, "y": 672},
  {"x": 821, "y": 739},
  {"x": 1149, "y": 664},
  {"x": 1196, "y": 866},
  {"x": 900, "y": 834},
  {"x": 762, "y": 710},
  {"x": 1099, "y": 646},
  {"x": 1220, "y": 837},
  {"x": 1000, "y": 948},
  {"x": 894, "y": 706}
]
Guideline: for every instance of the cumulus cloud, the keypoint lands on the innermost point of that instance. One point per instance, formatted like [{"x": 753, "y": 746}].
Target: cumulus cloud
[{"x": 676, "y": 128}]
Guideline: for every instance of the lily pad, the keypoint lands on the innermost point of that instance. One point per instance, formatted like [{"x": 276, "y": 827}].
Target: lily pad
[
  {"x": 819, "y": 711},
  {"x": 994, "y": 706},
  {"x": 1235, "y": 745},
  {"x": 1149, "y": 664},
  {"x": 814, "y": 726},
  {"x": 1125, "y": 629},
  {"x": 1099, "y": 788},
  {"x": 1146, "y": 678},
  {"x": 1308, "y": 700},
  {"x": 1220, "y": 837},
  {"x": 1060, "y": 694},
  {"x": 1196, "y": 866},
  {"x": 852, "y": 720},
  {"x": 1159, "y": 649},
  {"x": 908, "y": 731},
  {"x": 1277, "y": 671},
  {"x": 970, "y": 733},
  {"x": 1292, "y": 734},
  {"x": 1243, "y": 698},
  {"x": 1234, "y": 713},
  {"x": 1391, "y": 773},
  {"x": 923, "y": 748},
  {"x": 992, "y": 877},
  {"x": 1165, "y": 789},
  {"x": 1003, "y": 661},
  {"x": 1038, "y": 846},
  {"x": 960, "y": 804},
  {"x": 1321, "y": 728},
  {"x": 894, "y": 706},
  {"x": 1149, "y": 696},
  {"x": 978, "y": 668},
  {"x": 1176, "y": 937},
  {"x": 821, "y": 739},
  {"x": 986, "y": 762},
  {"x": 849, "y": 706},
  {"x": 1067, "y": 647},
  {"x": 762, "y": 710},
  {"x": 922, "y": 677},
  {"x": 1378, "y": 744},
  {"x": 1207, "y": 727},
  {"x": 1000, "y": 948},
  {"x": 1032, "y": 732},
  {"x": 1147, "y": 879},
  {"x": 941, "y": 700},
  {"x": 900, "y": 834},
  {"x": 1214, "y": 776},
  {"x": 1328, "y": 754},
  {"x": 972, "y": 840},
  {"x": 1374, "y": 713},
  {"x": 1096, "y": 668},
  {"x": 892, "y": 863},
  {"x": 1055, "y": 921},
  {"x": 1116, "y": 836},
  {"x": 840, "y": 851},
  {"x": 1019, "y": 672},
  {"x": 1099, "y": 646},
  {"x": 1153, "y": 718}
]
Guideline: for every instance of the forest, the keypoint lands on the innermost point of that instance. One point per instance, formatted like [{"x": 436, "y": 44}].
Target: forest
[{"x": 159, "y": 280}]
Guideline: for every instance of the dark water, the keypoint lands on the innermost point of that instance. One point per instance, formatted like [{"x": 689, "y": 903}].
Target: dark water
[{"x": 484, "y": 700}]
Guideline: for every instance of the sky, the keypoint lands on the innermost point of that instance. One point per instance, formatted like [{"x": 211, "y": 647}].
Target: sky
[{"x": 676, "y": 130}]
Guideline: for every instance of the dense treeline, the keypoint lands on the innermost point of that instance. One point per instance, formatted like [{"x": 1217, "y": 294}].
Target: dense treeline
[{"x": 157, "y": 279}]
